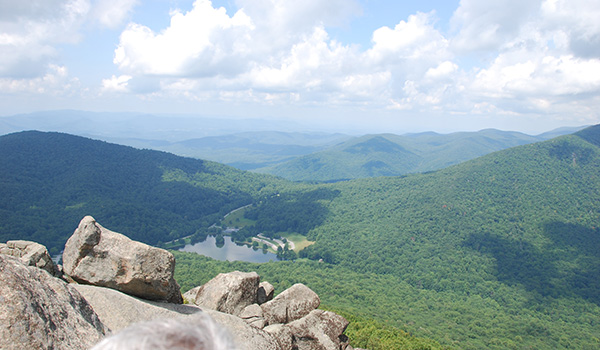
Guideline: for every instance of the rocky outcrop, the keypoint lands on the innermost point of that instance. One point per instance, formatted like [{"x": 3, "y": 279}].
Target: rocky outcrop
[
  {"x": 292, "y": 304},
  {"x": 319, "y": 330},
  {"x": 118, "y": 311},
  {"x": 39, "y": 311},
  {"x": 95, "y": 255},
  {"x": 229, "y": 292},
  {"x": 31, "y": 254},
  {"x": 291, "y": 317}
]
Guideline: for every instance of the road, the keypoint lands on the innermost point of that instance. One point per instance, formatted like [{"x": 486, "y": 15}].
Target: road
[{"x": 262, "y": 239}]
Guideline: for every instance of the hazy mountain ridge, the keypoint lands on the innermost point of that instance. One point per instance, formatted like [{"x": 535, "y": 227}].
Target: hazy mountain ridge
[
  {"x": 142, "y": 126},
  {"x": 394, "y": 155},
  {"x": 277, "y": 148},
  {"x": 316, "y": 156}
]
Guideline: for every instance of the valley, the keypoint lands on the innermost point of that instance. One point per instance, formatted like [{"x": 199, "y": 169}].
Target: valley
[{"x": 498, "y": 252}]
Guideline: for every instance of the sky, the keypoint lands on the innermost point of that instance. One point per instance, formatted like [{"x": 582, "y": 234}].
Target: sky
[{"x": 372, "y": 65}]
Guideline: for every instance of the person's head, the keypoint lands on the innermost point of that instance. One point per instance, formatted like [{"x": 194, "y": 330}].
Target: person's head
[{"x": 189, "y": 333}]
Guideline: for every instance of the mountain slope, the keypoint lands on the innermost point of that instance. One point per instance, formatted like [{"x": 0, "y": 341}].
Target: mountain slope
[
  {"x": 393, "y": 155},
  {"x": 500, "y": 252},
  {"x": 518, "y": 193},
  {"x": 511, "y": 241},
  {"x": 49, "y": 181}
]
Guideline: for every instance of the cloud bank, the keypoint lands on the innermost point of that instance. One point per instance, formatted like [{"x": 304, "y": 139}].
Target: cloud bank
[{"x": 507, "y": 57}]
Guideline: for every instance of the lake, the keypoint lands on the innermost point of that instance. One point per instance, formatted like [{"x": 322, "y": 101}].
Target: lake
[{"x": 230, "y": 251}]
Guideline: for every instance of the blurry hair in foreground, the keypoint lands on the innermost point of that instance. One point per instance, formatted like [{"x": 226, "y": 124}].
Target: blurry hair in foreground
[{"x": 193, "y": 333}]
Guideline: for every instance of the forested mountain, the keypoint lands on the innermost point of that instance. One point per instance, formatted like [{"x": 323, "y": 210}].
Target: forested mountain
[
  {"x": 333, "y": 157},
  {"x": 498, "y": 252},
  {"x": 393, "y": 155},
  {"x": 49, "y": 181}
]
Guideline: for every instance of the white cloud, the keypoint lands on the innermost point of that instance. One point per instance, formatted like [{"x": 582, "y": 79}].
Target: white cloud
[
  {"x": 539, "y": 77},
  {"x": 282, "y": 23},
  {"x": 30, "y": 30},
  {"x": 202, "y": 42},
  {"x": 443, "y": 70},
  {"x": 112, "y": 13},
  {"x": 574, "y": 23},
  {"x": 543, "y": 56},
  {"x": 525, "y": 56},
  {"x": 306, "y": 65},
  {"x": 489, "y": 25},
  {"x": 55, "y": 81},
  {"x": 116, "y": 84},
  {"x": 412, "y": 39}
]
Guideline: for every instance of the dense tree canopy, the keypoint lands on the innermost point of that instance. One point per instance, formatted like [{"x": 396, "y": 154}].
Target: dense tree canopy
[{"x": 501, "y": 252}]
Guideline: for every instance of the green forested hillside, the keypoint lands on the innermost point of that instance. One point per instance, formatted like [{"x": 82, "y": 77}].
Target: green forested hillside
[
  {"x": 500, "y": 252},
  {"x": 49, "y": 181},
  {"x": 393, "y": 155},
  {"x": 495, "y": 253}
]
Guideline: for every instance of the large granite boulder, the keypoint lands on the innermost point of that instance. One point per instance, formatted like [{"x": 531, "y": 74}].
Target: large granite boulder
[
  {"x": 290, "y": 305},
  {"x": 319, "y": 330},
  {"x": 119, "y": 311},
  {"x": 39, "y": 311},
  {"x": 31, "y": 254},
  {"x": 95, "y": 255},
  {"x": 229, "y": 292}
]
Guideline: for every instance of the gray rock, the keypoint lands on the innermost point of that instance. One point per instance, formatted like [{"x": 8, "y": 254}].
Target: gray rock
[
  {"x": 291, "y": 304},
  {"x": 190, "y": 295},
  {"x": 229, "y": 292},
  {"x": 284, "y": 337},
  {"x": 265, "y": 292},
  {"x": 118, "y": 311},
  {"x": 319, "y": 330},
  {"x": 253, "y": 315},
  {"x": 39, "y": 311},
  {"x": 246, "y": 336},
  {"x": 95, "y": 255},
  {"x": 31, "y": 254}
]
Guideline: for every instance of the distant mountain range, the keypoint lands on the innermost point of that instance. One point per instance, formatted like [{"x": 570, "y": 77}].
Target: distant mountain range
[
  {"x": 393, "y": 155},
  {"x": 293, "y": 155},
  {"x": 145, "y": 126},
  {"x": 247, "y": 150}
]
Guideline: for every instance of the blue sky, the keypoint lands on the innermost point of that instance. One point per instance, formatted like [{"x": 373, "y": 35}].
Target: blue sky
[{"x": 368, "y": 65}]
